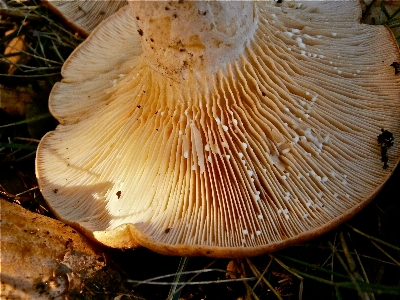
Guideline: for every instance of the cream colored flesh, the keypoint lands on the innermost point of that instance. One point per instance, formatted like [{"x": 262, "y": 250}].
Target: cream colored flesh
[{"x": 278, "y": 146}]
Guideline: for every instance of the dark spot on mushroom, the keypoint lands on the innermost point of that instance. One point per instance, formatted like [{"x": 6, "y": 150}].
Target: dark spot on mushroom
[
  {"x": 151, "y": 40},
  {"x": 138, "y": 106},
  {"x": 396, "y": 67},
  {"x": 262, "y": 93},
  {"x": 68, "y": 242},
  {"x": 55, "y": 191},
  {"x": 144, "y": 92},
  {"x": 41, "y": 287},
  {"x": 175, "y": 16},
  {"x": 140, "y": 32},
  {"x": 208, "y": 252},
  {"x": 385, "y": 141},
  {"x": 137, "y": 18},
  {"x": 203, "y": 13},
  {"x": 167, "y": 230},
  {"x": 166, "y": 8},
  {"x": 102, "y": 13},
  {"x": 182, "y": 50},
  {"x": 156, "y": 129},
  {"x": 156, "y": 112},
  {"x": 180, "y": 1},
  {"x": 118, "y": 194}
]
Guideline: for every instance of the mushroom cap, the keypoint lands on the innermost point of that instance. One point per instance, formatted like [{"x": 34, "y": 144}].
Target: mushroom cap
[
  {"x": 84, "y": 15},
  {"x": 276, "y": 147}
]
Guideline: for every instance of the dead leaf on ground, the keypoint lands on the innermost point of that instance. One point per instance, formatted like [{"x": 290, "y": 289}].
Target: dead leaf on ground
[
  {"x": 15, "y": 101},
  {"x": 234, "y": 270},
  {"x": 14, "y": 52}
]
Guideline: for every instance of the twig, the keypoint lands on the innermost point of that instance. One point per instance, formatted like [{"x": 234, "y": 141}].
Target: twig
[
  {"x": 259, "y": 276},
  {"x": 138, "y": 282},
  {"x": 296, "y": 274},
  {"x": 374, "y": 238},
  {"x": 361, "y": 294},
  {"x": 387, "y": 254}
]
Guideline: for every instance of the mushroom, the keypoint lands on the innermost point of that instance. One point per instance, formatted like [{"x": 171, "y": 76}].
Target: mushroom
[
  {"x": 223, "y": 129},
  {"x": 84, "y": 15}
]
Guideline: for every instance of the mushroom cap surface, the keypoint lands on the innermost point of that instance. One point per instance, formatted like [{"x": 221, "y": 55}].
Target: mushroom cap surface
[
  {"x": 276, "y": 147},
  {"x": 84, "y": 15}
]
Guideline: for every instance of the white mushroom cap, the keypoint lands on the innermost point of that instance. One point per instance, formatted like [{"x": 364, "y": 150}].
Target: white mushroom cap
[
  {"x": 277, "y": 146},
  {"x": 85, "y": 15}
]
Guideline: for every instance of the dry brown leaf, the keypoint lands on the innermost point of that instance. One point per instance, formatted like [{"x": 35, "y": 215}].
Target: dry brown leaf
[
  {"x": 234, "y": 270},
  {"x": 15, "y": 101},
  {"x": 15, "y": 46}
]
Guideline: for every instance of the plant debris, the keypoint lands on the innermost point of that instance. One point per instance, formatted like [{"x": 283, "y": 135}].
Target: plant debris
[
  {"x": 385, "y": 141},
  {"x": 396, "y": 67},
  {"x": 14, "y": 52}
]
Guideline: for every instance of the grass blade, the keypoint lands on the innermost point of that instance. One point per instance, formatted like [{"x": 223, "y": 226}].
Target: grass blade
[
  {"x": 33, "y": 119},
  {"x": 18, "y": 146}
]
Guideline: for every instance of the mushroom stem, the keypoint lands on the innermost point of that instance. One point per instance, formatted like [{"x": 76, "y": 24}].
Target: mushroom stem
[{"x": 180, "y": 37}]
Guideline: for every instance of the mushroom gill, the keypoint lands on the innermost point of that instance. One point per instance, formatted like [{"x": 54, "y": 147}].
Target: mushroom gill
[
  {"x": 268, "y": 143},
  {"x": 84, "y": 15}
]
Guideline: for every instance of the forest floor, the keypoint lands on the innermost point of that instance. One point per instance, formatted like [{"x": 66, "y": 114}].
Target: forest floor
[{"x": 367, "y": 247}]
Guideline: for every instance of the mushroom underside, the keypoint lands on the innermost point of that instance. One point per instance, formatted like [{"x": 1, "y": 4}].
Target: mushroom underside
[
  {"x": 276, "y": 147},
  {"x": 85, "y": 15}
]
